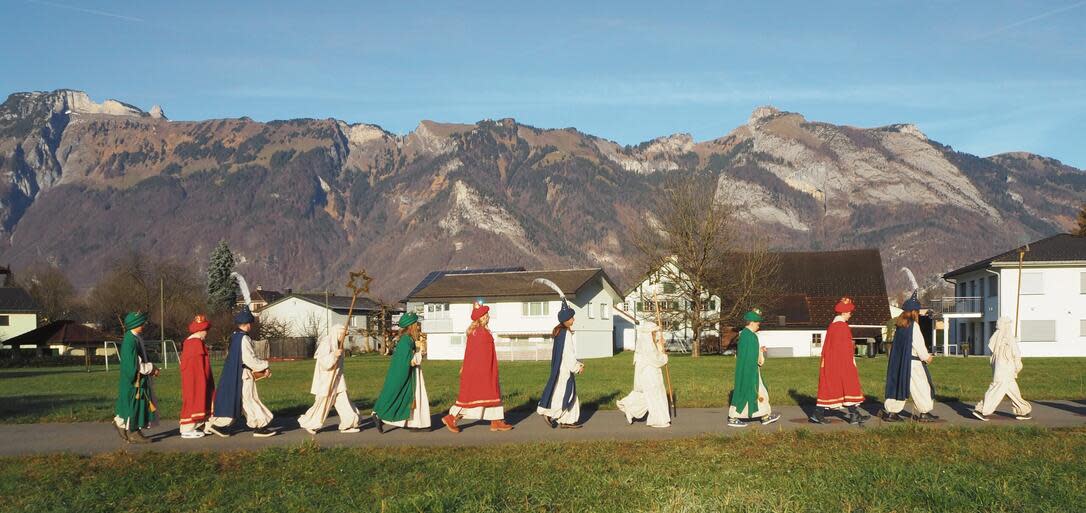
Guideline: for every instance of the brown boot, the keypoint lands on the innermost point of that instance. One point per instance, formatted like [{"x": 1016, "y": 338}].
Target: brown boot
[
  {"x": 450, "y": 422},
  {"x": 500, "y": 425}
]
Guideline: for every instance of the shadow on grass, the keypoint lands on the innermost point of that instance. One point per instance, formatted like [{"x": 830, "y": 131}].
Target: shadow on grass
[{"x": 37, "y": 406}]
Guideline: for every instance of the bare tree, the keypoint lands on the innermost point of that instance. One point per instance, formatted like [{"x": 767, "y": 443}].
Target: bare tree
[
  {"x": 695, "y": 244},
  {"x": 53, "y": 292},
  {"x": 133, "y": 284}
]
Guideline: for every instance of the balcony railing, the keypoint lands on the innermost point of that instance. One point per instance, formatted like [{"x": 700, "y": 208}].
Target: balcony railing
[{"x": 959, "y": 305}]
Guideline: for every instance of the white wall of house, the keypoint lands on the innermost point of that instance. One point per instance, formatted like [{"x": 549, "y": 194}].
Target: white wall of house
[
  {"x": 519, "y": 336},
  {"x": 1052, "y": 316},
  {"x": 782, "y": 343},
  {"x": 15, "y": 324},
  {"x": 302, "y": 318}
]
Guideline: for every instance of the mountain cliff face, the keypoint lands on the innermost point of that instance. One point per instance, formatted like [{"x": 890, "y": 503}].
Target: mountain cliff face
[{"x": 303, "y": 201}]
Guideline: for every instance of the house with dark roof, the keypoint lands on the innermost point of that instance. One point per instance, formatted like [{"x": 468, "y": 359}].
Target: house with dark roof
[
  {"x": 261, "y": 298},
  {"x": 1041, "y": 284},
  {"x": 310, "y": 315},
  {"x": 808, "y": 285},
  {"x": 522, "y": 313},
  {"x": 18, "y": 312}
]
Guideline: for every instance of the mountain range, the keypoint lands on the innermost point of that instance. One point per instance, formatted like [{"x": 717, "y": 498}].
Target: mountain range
[{"x": 301, "y": 202}]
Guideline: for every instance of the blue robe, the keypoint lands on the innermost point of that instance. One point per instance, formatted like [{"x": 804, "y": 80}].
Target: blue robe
[
  {"x": 228, "y": 393},
  {"x": 556, "y": 366},
  {"x": 899, "y": 367}
]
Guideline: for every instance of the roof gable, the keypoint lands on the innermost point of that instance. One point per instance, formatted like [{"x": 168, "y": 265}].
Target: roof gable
[
  {"x": 508, "y": 284},
  {"x": 1062, "y": 247},
  {"x": 15, "y": 299}
]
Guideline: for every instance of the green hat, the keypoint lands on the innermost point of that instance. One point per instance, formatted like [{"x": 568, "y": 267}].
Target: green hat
[
  {"x": 408, "y": 319},
  {"x": 754, "y": 315},
  {"x": 133, "y": 320}
]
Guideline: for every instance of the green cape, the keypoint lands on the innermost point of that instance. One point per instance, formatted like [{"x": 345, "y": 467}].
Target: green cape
[
  {"x": 398, "y": 394},
  {"x": 745, "y": 393},
  {"x": 133, "y": 389}
]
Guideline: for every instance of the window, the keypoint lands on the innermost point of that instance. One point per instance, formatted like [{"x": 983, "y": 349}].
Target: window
[
  {"x": 1082, "y": 286},
  {"x": 972, "y": 288},
  {"x": 5, "y": 320},
  {"x": 981, "y": 283},
  {"x": 816, "y": 339},
  {"x": 454, "y": 340},
  {"x": 993, "y": 287},
  {"x": 1033, "y": 283},
  {"x": 590, "y": 310},
  {"x": 438, "y": 311},
  {"x": 668, "y": 287},
  {"x": 1038, "y": 331},
  {"x": 605, "y": 311},
  {"x": 1082, "y": 328},
  {"x": 536, "y": 309}
]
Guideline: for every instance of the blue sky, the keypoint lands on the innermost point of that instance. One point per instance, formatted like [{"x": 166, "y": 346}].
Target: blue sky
[{"x": 984, "y": 77}]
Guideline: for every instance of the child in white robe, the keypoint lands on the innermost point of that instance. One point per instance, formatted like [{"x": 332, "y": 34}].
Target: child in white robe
[
  {"x": 329, "y": 368},
  {"x": 1006, "y": 364},
  {"x": 649, "y": 396}
]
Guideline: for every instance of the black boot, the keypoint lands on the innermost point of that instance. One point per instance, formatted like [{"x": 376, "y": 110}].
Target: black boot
[
  {"x": 377, "y": 422},
  {"x": 856, "y": 416},
  {"x": 818, "y": 417},
  {"x": 890, "y": 417}
]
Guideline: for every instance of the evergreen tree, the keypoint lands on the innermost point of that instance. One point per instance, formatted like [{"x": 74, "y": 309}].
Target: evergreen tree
[
  {"x": 222, "y": 289},
  {"x": 1081, "y": 230}
]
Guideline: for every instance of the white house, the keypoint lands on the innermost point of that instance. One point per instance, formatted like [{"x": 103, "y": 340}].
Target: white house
[
  {"x": 659, "y": 288},
  {"x": 522, "y": 313},
  {"x": 310, "y": 315},
  {"x": 1052, "y": 309},
  {"x": 18, "y": 312}
]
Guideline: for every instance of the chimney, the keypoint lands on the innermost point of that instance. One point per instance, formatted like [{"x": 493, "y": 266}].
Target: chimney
[{"x": 290, "y": 291}]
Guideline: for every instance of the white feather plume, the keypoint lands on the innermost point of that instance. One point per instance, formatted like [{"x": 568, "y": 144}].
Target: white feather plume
[
  {"x": 244, "y": 289},
  {"x": 548, "y": 283},
  {"x": 912, "y": 279}
]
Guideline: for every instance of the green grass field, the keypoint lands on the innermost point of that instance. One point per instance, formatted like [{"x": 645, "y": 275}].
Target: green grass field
[
  {"x": 903, "y": 468},
  {"x": 71, "y": 394}
]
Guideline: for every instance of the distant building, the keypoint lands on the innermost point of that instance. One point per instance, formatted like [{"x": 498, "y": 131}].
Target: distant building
[
  {"x": 810, "y": 283},
  {"x": 658, "y": 289},
  {"x": 522, "y": 313},
  {"x": 310, "y": 315},
  {"x": 18, "y": 312},
  {"x": 261, "y": 298},
  {"x": 1052, "y": 313}
]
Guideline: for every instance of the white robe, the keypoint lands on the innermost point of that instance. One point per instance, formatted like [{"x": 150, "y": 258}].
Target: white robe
[
  {"x": 256, "y": 414},
  {"x": 420, "y": 414},
  {"x": 569, "y": 364},
  {"x": 649, "y": 395},
  {"x": 1006, "y": 364},
  {"x": 326, "y": 369},
  {"x": 919, "y": 388}
]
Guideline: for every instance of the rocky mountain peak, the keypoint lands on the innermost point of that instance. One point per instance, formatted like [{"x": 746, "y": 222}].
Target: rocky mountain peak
[
  {"x": 762, "y": 113},
  {"x": 157, "y": 112}
]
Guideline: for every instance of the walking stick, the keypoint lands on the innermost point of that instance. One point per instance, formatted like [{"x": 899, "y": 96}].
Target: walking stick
[
  {"x": 355, "y": 289},
  {"x": 667, "y": 366}
]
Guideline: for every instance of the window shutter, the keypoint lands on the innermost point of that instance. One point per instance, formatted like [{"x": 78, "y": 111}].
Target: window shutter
[
  {"x": 1033, "y": 283},
  {"x": 1038, "y": 331}
]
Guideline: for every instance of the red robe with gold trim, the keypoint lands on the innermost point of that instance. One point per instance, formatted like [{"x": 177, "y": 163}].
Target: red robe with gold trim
[
  {"x": 838, "y": 378},
  {"x": 479, "y": 385},
  {"x": 197, "y": 383}
]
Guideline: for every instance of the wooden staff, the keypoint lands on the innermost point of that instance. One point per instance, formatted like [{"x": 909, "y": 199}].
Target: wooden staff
[
  {"x": 355, "y": 289},
  {"x": 667, "y": 366}
]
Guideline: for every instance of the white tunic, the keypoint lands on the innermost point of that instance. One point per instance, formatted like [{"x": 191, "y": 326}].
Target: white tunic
[
  {"x": 570, "y": 365},
  {"x": 420, "y": 413},
  {"x": 326, "y": 369},
  {"x": 649, "y": 395},
  {"x": 1006, "y": 364}
]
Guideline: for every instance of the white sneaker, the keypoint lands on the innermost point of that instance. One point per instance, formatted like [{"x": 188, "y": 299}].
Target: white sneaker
[
  {"x": 979, "y": 415},
  {"x": 192, "y": 434},
  {"x": 1024, "y": 417},
  {"x": 350, "y": 430}
]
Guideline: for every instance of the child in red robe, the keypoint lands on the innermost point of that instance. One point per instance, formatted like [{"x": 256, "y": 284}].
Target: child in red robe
[
  {"x": 480, "y": 394},
  {"x": 197, "y": 384},
  {"x": 838, "y": 378}
]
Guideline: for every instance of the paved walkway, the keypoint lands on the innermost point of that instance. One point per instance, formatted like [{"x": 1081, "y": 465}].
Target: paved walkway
[{"x": 98, "y": 437}]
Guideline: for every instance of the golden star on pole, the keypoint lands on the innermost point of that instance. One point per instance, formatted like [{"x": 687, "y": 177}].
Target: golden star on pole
[{"x": 353, "y": 285}]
